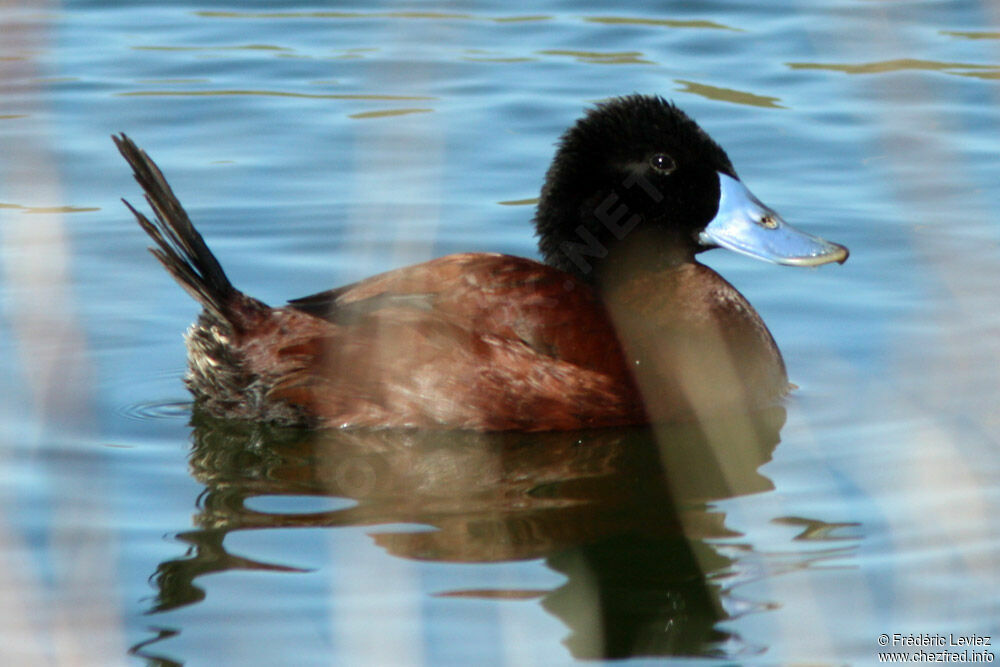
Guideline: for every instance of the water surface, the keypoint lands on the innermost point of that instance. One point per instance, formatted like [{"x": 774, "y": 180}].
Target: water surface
[{"x": 317, "y": 145}]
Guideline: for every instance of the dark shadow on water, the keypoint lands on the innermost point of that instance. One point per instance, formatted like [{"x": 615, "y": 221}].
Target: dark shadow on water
[{"x": 623, "y": 514}]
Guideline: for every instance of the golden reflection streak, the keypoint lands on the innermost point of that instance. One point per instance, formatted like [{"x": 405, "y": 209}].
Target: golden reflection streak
[
  {"x": 992, "y": 74},
  {"x": 600, "y": 57},
  {"x": 445, "y": 16},
  {"x": 79, "y": 622},
  {"x": 271, "y": 93},
  {"x": 49, "y": 209},
  {"x": 500, "y": 60},
  {"x": 370, "y": 15},
  {"x": 388, "y": 113},
  {"x": 533, "y": 201},
  {"x": 245, "y": 47},
  {"x": 667, "y": 23},
  {"x": 730, "y": 95},
  {"x": 971, "y": 34},
  {"x": 896, "y": 65}
]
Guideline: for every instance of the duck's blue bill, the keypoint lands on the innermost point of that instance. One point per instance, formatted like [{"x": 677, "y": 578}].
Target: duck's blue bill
[{"x": 745, "y": 225}]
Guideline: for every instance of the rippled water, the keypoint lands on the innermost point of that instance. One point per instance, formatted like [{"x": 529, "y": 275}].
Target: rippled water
[{"x": 314, "y": 146}]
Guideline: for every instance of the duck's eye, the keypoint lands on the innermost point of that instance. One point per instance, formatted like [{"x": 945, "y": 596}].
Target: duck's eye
[{"x": 662, "y": 163}]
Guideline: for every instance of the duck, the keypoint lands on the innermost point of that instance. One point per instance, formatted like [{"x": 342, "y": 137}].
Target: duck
[{"x": 618, "y": 323}]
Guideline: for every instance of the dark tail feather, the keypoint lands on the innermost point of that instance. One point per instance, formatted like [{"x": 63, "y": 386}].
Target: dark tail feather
[{"x": 180, "y": 248}]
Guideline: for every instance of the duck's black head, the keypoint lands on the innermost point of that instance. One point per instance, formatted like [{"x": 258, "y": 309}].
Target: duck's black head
[{"x": 637, "y": 170}]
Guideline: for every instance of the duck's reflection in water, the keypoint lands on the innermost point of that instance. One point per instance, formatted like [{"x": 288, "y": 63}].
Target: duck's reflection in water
[{"x": 622, "y": 513}]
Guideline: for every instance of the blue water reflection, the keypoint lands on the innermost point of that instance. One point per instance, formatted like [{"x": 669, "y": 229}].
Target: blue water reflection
[{"x": 315, "y": 146}]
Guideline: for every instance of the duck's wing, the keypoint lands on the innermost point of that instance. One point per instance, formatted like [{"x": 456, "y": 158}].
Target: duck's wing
[
  {"x": 415, "y": 285},
  {"x": 502, "y": 295},
  {"x": 327, "y": 306}
]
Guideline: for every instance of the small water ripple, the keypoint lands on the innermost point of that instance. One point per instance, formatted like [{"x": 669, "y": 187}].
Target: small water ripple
[{"x": 157, "y": 410}]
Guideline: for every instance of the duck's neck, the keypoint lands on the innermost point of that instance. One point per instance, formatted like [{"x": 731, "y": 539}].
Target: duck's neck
[
  {"x": 602, "y": 258},
  {"x": 644, "y": 253}
]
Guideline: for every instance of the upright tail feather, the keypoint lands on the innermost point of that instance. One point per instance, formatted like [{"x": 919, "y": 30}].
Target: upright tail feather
[{"x": 180, "y": 248}]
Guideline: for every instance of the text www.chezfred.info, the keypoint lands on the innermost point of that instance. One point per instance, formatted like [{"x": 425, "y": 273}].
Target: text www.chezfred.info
[{"x": 927, "y": 647}]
